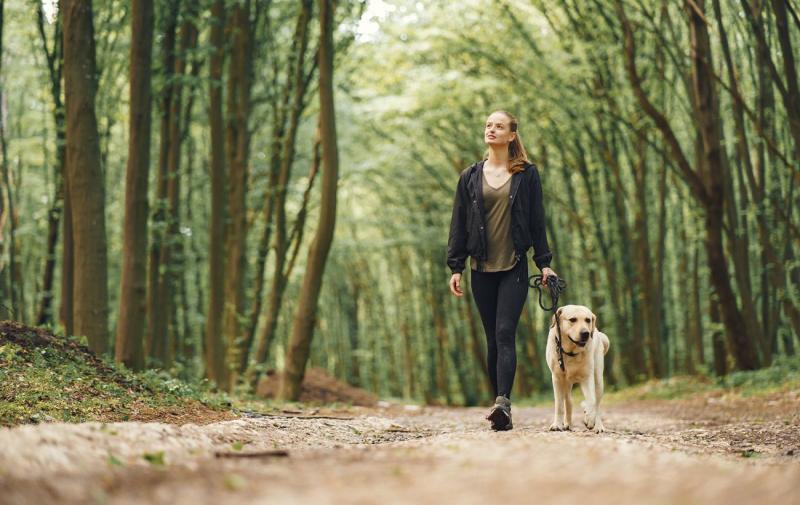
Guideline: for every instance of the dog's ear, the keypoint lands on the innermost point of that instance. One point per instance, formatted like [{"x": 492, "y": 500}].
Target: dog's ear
[
  {"x": 594, "y": 323},
  {"x": 555, "y": 318}
]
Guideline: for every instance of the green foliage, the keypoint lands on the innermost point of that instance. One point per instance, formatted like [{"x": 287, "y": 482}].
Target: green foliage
[
  {"x": 154, "y": 458},
  {"x": 783, "y": 374},
  {"x": 57, "y": 379}
]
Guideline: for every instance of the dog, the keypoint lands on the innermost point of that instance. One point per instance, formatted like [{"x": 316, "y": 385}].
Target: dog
[{"x": 573, "y": 329}]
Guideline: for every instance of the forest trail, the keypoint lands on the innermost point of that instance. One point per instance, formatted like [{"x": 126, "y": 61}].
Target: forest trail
[{"x": 708, "y": 449}]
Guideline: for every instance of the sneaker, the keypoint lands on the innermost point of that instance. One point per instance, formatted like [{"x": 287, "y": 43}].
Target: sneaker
[{"x": 500, "y": 415}]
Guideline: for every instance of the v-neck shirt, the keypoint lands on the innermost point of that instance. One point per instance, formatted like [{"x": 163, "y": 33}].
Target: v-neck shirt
[{"x": 500, "y": 247}]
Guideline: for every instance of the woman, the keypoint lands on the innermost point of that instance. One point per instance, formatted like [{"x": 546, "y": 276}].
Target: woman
[{"x": 498, "y": 214}]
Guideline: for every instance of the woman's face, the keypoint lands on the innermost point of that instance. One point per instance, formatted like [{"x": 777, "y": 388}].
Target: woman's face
[{"x": 497, "y": 131}]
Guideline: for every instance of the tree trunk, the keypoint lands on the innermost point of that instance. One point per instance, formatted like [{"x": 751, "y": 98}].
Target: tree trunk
[
  {"x": 54, "y": 63},
  {"x": 279, "y": 281},
  {"x": 305, "y": 316},
  {"x": 238, "y": 150},
  {"x": 172, "y": 248},
  {"x": 10, "y": 213},
  {"x": 133, "y": 290},
  {"x": 214, "y": 343},
  {"x": 90, "y": 290},
  {"x": 158, "y": 302},
  {"x": 718, "y": 341}
]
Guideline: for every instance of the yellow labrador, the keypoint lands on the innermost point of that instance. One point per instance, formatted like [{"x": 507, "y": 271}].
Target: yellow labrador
[{"x": 575, "y": 350}]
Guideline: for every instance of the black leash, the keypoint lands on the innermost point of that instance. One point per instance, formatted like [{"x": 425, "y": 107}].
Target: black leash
[{"x": 555, "y": 285}]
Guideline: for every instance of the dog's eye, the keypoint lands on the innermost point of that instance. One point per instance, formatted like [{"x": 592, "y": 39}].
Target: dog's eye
[
  {"x": 587, "y": 320},
  {"x": 573, "y": 319}
]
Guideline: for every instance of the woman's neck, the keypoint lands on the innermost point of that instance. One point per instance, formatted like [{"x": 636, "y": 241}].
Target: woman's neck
[{"x": 498, "y": 156}]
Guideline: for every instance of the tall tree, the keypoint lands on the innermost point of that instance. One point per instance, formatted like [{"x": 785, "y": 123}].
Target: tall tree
[
  {"x": 132, "y": 309},
  {"x": 53, "y": 57},
  {"x": 214, "y": 343},
  {"x": 306, "y": 312},
  {"x": 296, "y": 84},
  {"x": 237, "y": 143},
  {"x": 85, "y": 178},
  {"x": 158, "y": 297}
]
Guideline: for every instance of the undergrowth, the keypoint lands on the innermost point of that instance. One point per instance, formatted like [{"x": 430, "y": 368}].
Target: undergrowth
[
  {"x": 49, "y": 378},
  {"x": 782, "y": 375}
]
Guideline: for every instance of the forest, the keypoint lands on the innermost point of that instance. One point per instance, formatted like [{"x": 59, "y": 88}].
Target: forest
[
  {"x": 221, "y": 188},
  {"x": 228, "y": 231}
]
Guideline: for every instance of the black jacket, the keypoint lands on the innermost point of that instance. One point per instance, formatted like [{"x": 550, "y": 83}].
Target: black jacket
[{"x": 467, "y": 233}]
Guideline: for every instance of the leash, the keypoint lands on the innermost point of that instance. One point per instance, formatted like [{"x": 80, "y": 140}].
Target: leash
[{"x": 555, "y": 286}]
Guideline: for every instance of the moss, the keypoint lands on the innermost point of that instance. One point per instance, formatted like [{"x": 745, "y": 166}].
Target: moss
[
  {"x": 48, "y": 378},
  {"x": 782, "y": 375}
]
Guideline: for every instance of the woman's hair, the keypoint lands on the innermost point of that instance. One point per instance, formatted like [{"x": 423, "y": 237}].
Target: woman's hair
[{"x": 517, "y": 157}]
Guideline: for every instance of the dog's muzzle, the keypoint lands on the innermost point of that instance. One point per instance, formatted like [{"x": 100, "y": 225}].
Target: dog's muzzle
[{"x": 584, "y": 339}]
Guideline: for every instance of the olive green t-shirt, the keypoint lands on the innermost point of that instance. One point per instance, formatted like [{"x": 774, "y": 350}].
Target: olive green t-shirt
[{"x": 500, "y": 246}]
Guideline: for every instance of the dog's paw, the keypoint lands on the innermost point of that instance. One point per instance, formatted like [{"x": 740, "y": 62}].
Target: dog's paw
[
  {"x": 598, "y": 427},
  {"x": 556, "y": 427},
  {"x": 589, "y": 420}
]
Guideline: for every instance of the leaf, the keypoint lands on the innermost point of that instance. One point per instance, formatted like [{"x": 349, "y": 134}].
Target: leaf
[
  {"x": 113, "y": 461},
  {"x": 234, "y": 481},
  {"x": 154, "y": 458},
  {"x": 237, "y": 446}
]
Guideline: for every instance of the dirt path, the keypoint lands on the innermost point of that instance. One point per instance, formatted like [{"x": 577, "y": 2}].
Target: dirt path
[{"x": 707, "y": 450}]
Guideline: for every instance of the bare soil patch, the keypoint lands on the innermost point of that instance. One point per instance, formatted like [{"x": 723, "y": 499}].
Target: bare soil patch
[{"x": 319, "y": 387}]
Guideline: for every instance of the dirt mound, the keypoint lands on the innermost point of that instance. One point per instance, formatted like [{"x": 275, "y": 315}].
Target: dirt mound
[
  {"x": 44, "y": 377},
  {"x": 319, "y": 387}
]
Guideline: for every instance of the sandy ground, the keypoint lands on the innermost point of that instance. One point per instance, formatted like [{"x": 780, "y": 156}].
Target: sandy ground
[{"x": 709, "y": 449}]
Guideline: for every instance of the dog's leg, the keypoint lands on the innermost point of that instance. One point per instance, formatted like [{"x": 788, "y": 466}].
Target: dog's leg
[
  {"x": 589, "y": 403},
  {"x": 568, "y": 404},
  {"x": 558, "y": 410},
  {"x": 598, "y": 391}
]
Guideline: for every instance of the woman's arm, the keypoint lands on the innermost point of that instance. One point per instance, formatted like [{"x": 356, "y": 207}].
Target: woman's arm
[
  {"x": 541, "y": 251},
  {"x": 457, "y": 242}
]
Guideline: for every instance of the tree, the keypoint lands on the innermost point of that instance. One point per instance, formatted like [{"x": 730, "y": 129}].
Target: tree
[
  {"x": 132, "y": 310},
  {"x": 84, "y": 176},
  {"x": 214, "y": 343},
  {"x": 305, "y": 315}
]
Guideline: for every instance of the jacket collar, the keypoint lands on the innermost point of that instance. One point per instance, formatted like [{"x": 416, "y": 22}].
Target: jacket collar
[{"x": 476, "y": 183}]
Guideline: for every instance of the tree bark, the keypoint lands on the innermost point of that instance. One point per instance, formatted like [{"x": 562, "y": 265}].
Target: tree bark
[
  {"x": 238, "y": 151},
  {"x": 158, "y": 303},
  {"x": 54, "y": 65},
  {"x": 133, "y": 290},
  {"x": 305, "y": 316},
  {"x": 279, "y": 281},
  {"x": 214, "y": 343},
  {"x": 90, "y": 290}
]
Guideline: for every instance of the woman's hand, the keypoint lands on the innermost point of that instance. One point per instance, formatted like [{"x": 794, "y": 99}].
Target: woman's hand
[
  {"x": 455, "y": 285},
  {"x": 546, "y": 273}
]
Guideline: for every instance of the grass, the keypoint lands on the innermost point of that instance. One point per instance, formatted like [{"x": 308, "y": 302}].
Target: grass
[
  {"x": 782, "y": 375},
  {"x": 49, "y": 378}
]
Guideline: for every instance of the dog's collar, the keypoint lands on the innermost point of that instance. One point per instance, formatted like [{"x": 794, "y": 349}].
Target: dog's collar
[{"x": 561, "y": 351}]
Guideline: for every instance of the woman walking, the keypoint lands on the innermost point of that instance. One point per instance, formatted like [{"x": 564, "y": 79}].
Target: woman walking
[{"x": 498, "y": 214}]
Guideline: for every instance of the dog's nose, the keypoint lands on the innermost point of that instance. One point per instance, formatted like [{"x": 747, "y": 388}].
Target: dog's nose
[{"x": 584, "y": 335}]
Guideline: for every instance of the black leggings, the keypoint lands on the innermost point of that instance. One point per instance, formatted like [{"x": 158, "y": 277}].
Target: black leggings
[{"x": 500, "y": 297}]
